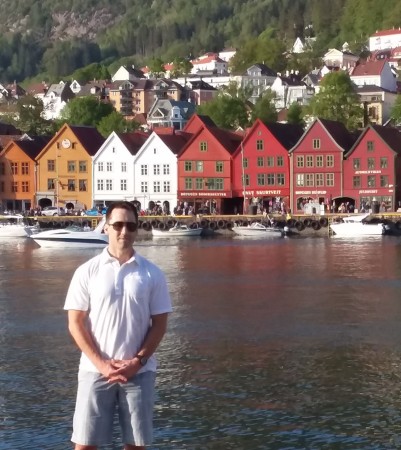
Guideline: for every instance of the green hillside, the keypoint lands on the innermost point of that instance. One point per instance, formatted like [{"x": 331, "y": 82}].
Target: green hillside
[{"x": 53, "y": 38}]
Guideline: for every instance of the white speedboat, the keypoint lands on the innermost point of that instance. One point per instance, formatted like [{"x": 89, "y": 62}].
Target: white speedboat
[
  {"x": 177, "y": 230},
  {"x": 355, "y": 226},
  {"x": 12, "y": 226},
  {"x": 70, "y": 237},
  {"x": 257, "y": 229}
]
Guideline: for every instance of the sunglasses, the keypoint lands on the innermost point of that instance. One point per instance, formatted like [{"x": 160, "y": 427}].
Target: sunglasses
[{"x": 118, "y": 226}]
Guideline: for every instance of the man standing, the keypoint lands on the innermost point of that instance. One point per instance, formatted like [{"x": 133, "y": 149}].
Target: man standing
[{"x": 117, "y": 305}]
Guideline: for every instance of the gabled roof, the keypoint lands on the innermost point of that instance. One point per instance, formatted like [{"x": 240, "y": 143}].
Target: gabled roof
[
  {"x": 286, "y": 133},
  {"x": 369, "y": 68},
  {"x": 37, "y": 88},
  {"x": 8, "y": 129},
  {"x": 6, "y": 139},
  {"x": 89, "y": 137},
  {"x": 228, "y": 139},
  {"x": 175, "y": 141},
  {"x": 391, "y": 136},
  {"x": 133, "y": 141},
  {"x": 264, "y": 70},
  {"x": 34, "y": 145},
  {"x": 386, "y": 32},
  {"x": 201, "y": 86}
]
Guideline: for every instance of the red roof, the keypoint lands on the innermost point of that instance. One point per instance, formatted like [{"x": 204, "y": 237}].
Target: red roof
[
  {"x": 387, "y": 32},
  {"x": 368, "y": 68}
]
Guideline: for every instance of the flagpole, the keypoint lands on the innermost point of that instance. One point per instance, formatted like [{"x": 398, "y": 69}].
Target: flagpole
[{"x": 243, "y": 177}]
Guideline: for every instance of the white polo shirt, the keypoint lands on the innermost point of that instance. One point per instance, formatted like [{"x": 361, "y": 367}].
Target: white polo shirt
[{"x": 120, "y": 301}]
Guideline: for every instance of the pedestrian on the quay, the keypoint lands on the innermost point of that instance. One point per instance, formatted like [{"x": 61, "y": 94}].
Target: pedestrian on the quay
[{"x": 117, "y": 303}]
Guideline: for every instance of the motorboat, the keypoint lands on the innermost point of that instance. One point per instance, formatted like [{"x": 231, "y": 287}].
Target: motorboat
[
  {"x": 71, "y": 237},
  {"x": 257, "y": 229},
  {"x": 12, "y": 226},
  {"x": 177, "y": 230},
  {"x": 356, "y": 225}
]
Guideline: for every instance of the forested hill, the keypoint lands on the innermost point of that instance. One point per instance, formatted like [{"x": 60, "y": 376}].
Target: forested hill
[{"x": 55, "y": 37}]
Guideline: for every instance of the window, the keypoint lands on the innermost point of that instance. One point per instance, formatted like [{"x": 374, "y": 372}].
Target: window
[
  {"x": 319, "y": 160},
  {"x": 203, "y": 146},
  {"x": 82, "y": 185},
  {"x": 166, "y": 186},
  {"x": 71, "y": 166},
  {"x": 260, "y": 161},
  {"x": 300, "y": 179},
  {"x": 2, "y": 168},
  {"x": 383, "y": 163},
  {"x": 259, "y": 144},
  {"x": 100, "y": 185},
  {"x": 123, "y": 167},
  {"x": 198, "y": 166},
  {"x": 198, "y": 183},
  {"x": 316, "y": 144},
  {"x": 270, "y": 179},
  {"x": 261, "y": 179},
  {"x": 24, "y": 169},
  {"x": 144, "y": 187},
  {"x": 246, "y": 181},
  {"x": 144, "y": 170},
  {"x": 319, "y": 179},
  {"x": 371, "y": 181},
  {"x": 14, "y": 186},
  {"x": 50, "y": 184},
  {"x": 166, "y": 169},
  {"x": 300, "y": 161},
  {"x": 123, "y": 185},
  {"x": 371, "y": 163},
  {"x": 14, "y": 169},
  {"x": 270, "y": 161},
  {"x": 309, "y": 161},
  {"x": 356, "y": 162},
  {"x": 156, "y": 186},
  {"x": 383, "y": 180},
  {"x": 329, "y": 179},
  {"x": 51, "y": 165},
  {"x": 309, "y": 179},
  {"x": 370, "y": 145},
  {"x": 245, "y": 163},
  {"x": 356, "y": 181},
  {"x": 188, "y": 166},
  {"x": 109, "y": 167},
  {"x": 219, "y": 166},
  {"x": 71, "y": 185},
  {"x": 280, "y": 161},
  {"x": 156, "y": 170},
  {"x": 109, "y": 185},
  {"x": 24, "y": 186},
  {"x": 280, "y": 177},
  {"x": 330, "y": 161},
  {"x": 188, "y": 183},
  {"x": 215, "y": 184},
  {"x": 100, "y": 167},
  {"x": 82, "y": 166}
]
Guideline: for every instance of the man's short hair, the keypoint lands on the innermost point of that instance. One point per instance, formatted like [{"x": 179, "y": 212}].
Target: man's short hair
[{"x": 129, "y": 206}]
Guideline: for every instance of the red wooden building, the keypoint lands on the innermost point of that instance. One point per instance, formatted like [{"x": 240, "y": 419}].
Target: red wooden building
[
  {"x": 261, "y": 175},
  {"x": 316, "y": 165},
  {"x": 372, "y": 170},
  {"x": 204, "y": 168}
]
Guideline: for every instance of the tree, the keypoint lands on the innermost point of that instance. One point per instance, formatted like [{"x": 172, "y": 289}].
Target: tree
[
  {"x": 337, "y": 100},
  {"x": 226, "y": 112},
  {"x": 86, "y": 111},
  {"x": 264, "y": 108},
  {"x": 156, "y": 67},
  {"x": 295, "y": 114},
  {"x": 116, "y": 122},
  {"x": 395, "y": 113}
]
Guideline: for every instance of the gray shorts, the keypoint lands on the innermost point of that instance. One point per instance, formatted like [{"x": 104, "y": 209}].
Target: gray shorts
[{"x": 97, "y": 402}]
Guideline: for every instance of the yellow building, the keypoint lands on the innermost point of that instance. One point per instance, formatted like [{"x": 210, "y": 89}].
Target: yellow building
[{"x": 64, "y": 168}]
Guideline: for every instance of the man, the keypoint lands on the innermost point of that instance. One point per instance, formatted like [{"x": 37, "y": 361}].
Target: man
[{"x": 117, "y": 305}]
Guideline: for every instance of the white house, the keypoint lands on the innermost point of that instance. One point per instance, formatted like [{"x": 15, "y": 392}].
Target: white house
[
  {"x": 210, "y": 62},
  {"x": 291, "y": 89},
  {"x": 155, "y": 170},
  {"x": 113, "y": 168},
  {"x": 227, "y": 53},
  {"x": 384, "y": 39},
  {"x": 127, "y": 73},
  {"x": 340, "y": 58},
  {"x": 375, "y": 73},
  {"x": 56, "y": 97}
]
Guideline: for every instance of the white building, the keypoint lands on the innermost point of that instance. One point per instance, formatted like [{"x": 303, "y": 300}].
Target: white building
[
  {"x": 210, "y": 62},
  {"x": 375, "y": 73},
  {"x": 340, "y": 58},
  {"x": 57, "y": 96},
  {"x": 384, "y": 39}
]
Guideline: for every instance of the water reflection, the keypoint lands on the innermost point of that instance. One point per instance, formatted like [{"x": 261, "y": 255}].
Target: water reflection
[{"x": 286, "y": 344}]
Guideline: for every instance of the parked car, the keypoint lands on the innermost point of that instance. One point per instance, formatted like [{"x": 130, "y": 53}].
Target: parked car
[
  {"x": 95, "y": 212},
  {"x": 52, "y": 211}
]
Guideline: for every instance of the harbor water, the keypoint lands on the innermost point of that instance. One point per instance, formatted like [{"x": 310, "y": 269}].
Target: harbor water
[{"x": 290, "y": 343}]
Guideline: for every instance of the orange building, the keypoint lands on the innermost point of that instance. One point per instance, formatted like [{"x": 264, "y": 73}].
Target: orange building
[
  {"x": 65, "y": 167},
  {"x": 18, "y": 181}
]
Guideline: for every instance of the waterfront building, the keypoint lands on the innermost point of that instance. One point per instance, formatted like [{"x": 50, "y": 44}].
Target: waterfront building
[
  {"x": 64, "y": 175},
  {"x": 113, "y": 167},
  {"x": 261, "y": 170},
  {"x": 372, "y": 170},
  {"x": 316, "y": 165},
  {"x": 18, "y": 172}
]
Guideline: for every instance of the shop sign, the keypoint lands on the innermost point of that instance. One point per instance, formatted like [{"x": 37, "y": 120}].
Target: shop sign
[
  {"x": 264, "y": 192},
  {"x": 203, "y": 194},
  {"x": 310, "y": 192},
  {"x": 368, "y": 191},
  {"x": 367, "y": 172}
]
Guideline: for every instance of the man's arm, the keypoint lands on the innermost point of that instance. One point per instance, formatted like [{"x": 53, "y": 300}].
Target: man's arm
[{"x": 77, "y": 325}]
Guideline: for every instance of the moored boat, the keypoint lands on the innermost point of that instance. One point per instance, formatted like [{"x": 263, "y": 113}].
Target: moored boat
[
  {"x": 12, "y": 226},
  {"x": 257, "y": 229},
  {"x": 356, "y": 226},
  {"x": 178, "y": 230}
]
